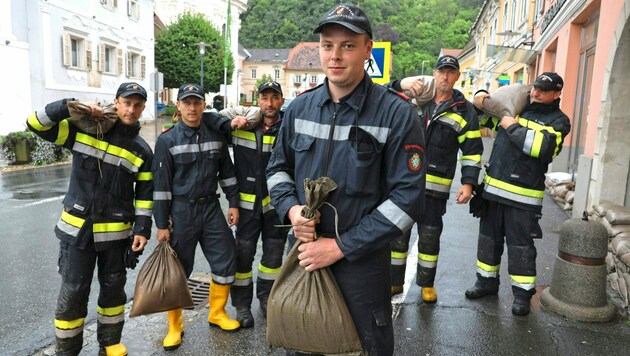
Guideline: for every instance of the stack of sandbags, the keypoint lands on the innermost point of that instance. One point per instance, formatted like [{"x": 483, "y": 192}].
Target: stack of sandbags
[
  {"x": 561, "y": 188},
  {"x": 616, "y": 219}
]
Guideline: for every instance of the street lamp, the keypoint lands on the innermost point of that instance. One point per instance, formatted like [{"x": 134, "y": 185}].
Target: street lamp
[
  {"x": 423, "y": 62},
  {"x": 202, "y": 51}
]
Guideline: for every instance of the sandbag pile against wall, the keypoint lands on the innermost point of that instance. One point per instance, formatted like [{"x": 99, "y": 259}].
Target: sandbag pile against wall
[
  {"x": 616, "y": 219},
  {"x": 561, "y": 189}
]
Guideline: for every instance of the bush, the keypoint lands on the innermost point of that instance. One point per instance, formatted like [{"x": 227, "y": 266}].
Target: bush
[{"x": 41, "y": 151}]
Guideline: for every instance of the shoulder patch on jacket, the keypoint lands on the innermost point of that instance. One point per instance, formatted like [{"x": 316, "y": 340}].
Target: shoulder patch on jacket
[{"x": 415, "y": 156}]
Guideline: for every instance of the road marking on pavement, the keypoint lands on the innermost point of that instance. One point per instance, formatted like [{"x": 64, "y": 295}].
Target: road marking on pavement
[
  {"x": 410, "y": 275},
  {"x": 43, "y": 201}
]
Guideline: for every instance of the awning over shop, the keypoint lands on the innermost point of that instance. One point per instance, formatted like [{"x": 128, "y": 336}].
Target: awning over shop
[{"x": 509, "y": 54}]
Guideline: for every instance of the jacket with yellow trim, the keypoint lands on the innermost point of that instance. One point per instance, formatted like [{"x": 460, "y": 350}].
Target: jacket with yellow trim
[
  {"x": 252, "y": 150},
  {"x": 111, "y": 189},
  {"x": 515, "y": 173},
  {"x": 191, "y": 164},
  {"x": 372, "y": 145},
  {"x": 452, "y": 126}
]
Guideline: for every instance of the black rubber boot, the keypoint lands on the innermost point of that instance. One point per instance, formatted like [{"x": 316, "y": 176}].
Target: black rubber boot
[
  {"x": 520, "y": 307},
  {"x": 479, "y": 291},
  {"x": 244, "y": 317}
]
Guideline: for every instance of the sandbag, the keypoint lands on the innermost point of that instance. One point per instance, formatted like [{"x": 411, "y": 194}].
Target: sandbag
[
  {"x": 610, "y": 262},
  {"x": 252, "y": 113},
  {"x": 508, "y": 100},
  {"x": 306, "y": 311},
  {"x": 618, "y": 215},
  {"x": 427, "y": 94},
  {"x": 602, "y": 207},
  {"x": 620, "y": 244},
  {"x": 616, "y": 229},
  {"x": 162, "y": 284},
  {"x": 81, "y": 117}
]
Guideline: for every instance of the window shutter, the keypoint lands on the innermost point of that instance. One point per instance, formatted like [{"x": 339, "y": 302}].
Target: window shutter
[
  {"x": 143, "y": 65},
  {"x": 101, "y": 57},
  {"x": 67, "y": 51},
  {"x": 119, "y": 58},
  {"x": 129, "y": 58},
  {"x": 88, "y": 55}
]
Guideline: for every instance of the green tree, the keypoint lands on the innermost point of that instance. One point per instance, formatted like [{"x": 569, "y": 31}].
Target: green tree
[{"x": 177, "y": 53}]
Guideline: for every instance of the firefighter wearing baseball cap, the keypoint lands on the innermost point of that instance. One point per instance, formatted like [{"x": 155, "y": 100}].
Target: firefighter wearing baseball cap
[
  {"x": 191, "y": 161},
  {"x": 514, "y": 190},
  {"x": 109, "y": 201}
]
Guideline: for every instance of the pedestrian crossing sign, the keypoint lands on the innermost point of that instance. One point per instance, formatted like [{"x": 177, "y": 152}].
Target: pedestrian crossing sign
[{"x": 378, "y": 66}]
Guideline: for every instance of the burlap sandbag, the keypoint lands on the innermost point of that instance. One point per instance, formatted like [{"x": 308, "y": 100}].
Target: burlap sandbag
[
  {"x": 602, "y": 207},
  {"x": 306, "y": 311},
  {"x": 620, "y": 244},
  {"x": 161, "y": 283},
  {"x": 508, "y": 100},
  {"x": 427, "y": 94},
  {"x": 618, "y": 215},
  {"x": 252, "y": 113},
  {"x": 616, "y": 229},
  {"x": 81, "y": 117},
  {"x": 610, "y": 262}
]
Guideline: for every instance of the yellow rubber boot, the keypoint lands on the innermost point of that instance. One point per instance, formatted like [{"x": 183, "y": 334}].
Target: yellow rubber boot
[
  {"x": 217, "y": 316},
  {"x": 175, "y": 330},
  {"x": 429, "y": 295},
  {"x": 116, "y": 350}
]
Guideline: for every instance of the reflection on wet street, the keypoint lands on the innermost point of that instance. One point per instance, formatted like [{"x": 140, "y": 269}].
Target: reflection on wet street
[{"x": 34, "y": 184}]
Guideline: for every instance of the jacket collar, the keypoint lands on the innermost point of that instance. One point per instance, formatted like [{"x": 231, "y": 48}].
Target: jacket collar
[
  {"x": 356, "y": 99},
  {"x": 542, "y": 108},
  {"x": 189, "y": 131},
  {"x": 126, "y": 130}
]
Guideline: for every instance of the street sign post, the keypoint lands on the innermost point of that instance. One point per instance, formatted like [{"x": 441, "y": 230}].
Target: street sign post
[{"x": 379, "y": 64}]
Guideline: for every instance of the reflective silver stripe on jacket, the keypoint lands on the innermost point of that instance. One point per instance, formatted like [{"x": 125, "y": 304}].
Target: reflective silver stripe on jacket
[
  {"x": 470, "y": 162},
  {"x": 529, "y": 142},
  {"x": 67, "y": 228},
  {"x": 43, "y": 118},
  {"x": 513, "y": 196},
  {"x": 162, "y": 195},
  {"x": 437, "y": 187},
  {"x": 228, "y": 182},
  {"x": 143, "y": 212},
  {"x": 341, "y": 133},
  {"x": 450, "y": 122},
  {"x": 277, "y": 178},
  {"x": 246, "y": 205},
  {"x": 237, "y": 141},
  {"x": 193, "y": 148},
  {"x": 88, "y": 150},
  {"x": 395, "y": 215},
  {"x": 111, "y": 236}
]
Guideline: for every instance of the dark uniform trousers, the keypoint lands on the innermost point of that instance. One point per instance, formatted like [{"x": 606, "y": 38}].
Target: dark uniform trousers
[
  {"x": 429, "y": 232},
  {"x": 518, "y": 227},
  {"x": 76, "y": 267},
  {"x": 250, "y": 226},
  {"x": 203, "y": 222}
]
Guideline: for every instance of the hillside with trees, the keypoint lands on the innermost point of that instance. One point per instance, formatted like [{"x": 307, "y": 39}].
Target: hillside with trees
[{"x": 418, "y": 29}]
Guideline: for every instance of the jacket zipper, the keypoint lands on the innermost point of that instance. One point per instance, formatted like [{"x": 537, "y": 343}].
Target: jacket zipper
[{"x": 330, "y": 141}]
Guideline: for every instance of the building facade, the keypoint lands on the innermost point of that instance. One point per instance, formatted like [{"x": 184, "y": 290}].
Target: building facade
[{"x": 69, "y": 48}]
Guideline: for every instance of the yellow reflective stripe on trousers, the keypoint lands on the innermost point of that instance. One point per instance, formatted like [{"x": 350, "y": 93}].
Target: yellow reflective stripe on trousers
[
  {"x": 70, "y": 224},
  {"x": 438, "y": 184},
  {"x": 488, "y": 271},
  {"x": 428, "y": 261},
  {"x": 113, "y": 315},
  {"x": 267, "y": 273},
  {"x": 65, "y": 329},
  {"x": 243, "y": 279},
  {"x": 513, "y": 192},
  {"x": 104, "y": 232},
  {"x": 523, "y": 282},
  {"x": 398, "y": 258}
]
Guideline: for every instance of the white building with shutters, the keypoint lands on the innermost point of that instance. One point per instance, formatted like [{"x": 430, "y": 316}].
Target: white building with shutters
[{"x": 53, "y": 49}]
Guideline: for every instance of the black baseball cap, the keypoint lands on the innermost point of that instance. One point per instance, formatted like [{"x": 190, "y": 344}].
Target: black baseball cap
[
  {"x": 347, "y": 15},
  {"x": 447, "y": 61},
  {"x": 549, "y": 81},
  {"x": 131, "y": 88},
  {"x": 275, "y": 86},
  {"x": 190, "y": 89}
]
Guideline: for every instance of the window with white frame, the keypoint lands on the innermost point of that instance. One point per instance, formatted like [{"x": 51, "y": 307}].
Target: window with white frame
[
  {"x": 110, "y": 3},
  {"x": 77, "y": 51},
  {"x": 136, "y": 65},
  {"x": 109, "y": 59},
  {"x": 513, "y": 16},
  {"x": 314, "y": 79},
  {"x": 133, "y": 9},
  {"x": 524, "y": 14},
  {"x": 297, "y": 78},
  {"x": 505, "y": 16},
  {"x": 253, "y": 73},
  {"x": 276, "y": 74}
]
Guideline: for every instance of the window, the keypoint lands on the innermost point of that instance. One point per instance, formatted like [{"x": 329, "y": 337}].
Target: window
[
  {"x": 109, "y": 59},
  {"x": 524, "y": 10},
  {"x": 136, "y": 65},
  {"x": 314, "y": 79},
  {"x": 77, "y": 51},
  {"x": 297, "y": 78},
  {"x": 513, "y": 16},
  {"x": 110, "y": 3},
  {"x": 276, "y": 74},
  {"x": 505, "y": 17},
  {"x": 133, "y": 9},
  {"x": 253, "y": 73}
]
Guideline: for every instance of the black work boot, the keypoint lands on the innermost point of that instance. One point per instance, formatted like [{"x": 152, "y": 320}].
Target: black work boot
[
  {"x": 478, "y": 291},
  {"x": 263, "y": 307},
  {"x": 244, "y": 317},
  {"x": 520, "y": 307}
]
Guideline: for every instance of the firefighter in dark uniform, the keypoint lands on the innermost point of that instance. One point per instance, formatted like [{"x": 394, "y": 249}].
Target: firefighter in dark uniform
[
  {"x": 108, "y": 201},
  {"x": 514, "y": 189},
  {"x": 451, "y": 125},
  {"x": 191, "y": 161},
  {"x": 367, "y": 139},
  {"x": 252, "y": 149}
]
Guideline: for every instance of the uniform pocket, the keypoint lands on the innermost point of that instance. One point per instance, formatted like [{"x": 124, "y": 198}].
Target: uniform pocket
[{"x": 365, "y": 163}]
